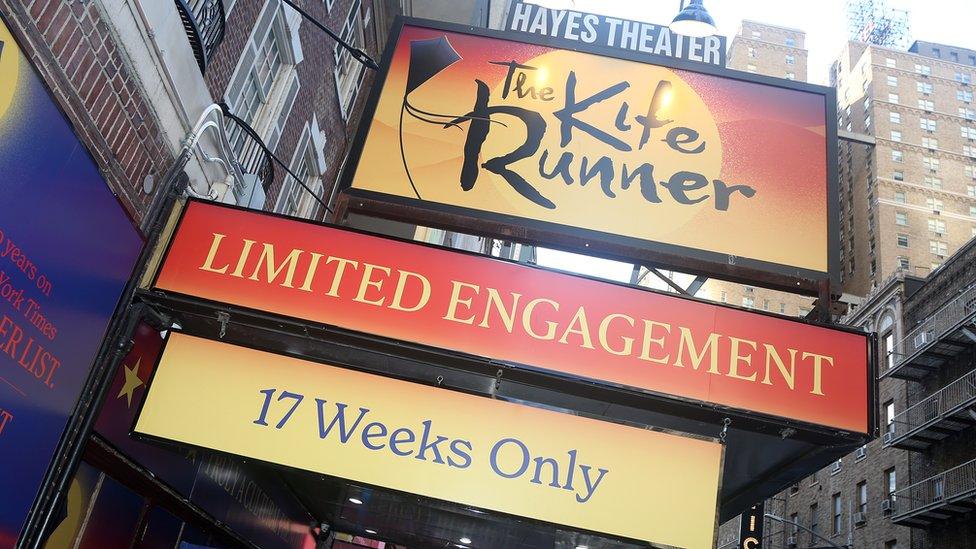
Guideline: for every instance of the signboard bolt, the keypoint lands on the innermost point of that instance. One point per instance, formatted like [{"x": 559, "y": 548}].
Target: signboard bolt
[
  {"x": 725, "y": 429},
  {"x": 223, "y": 318}
]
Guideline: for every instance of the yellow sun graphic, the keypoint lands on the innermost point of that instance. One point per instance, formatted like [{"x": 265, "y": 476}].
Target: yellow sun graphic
[{"x": 9, "y": 69}]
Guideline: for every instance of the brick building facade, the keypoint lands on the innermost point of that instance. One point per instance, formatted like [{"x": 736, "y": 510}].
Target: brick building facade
[
  {"x": 92, "y": 56},
  {"x": 90, "y": 75},
  {"x": 909, "y": 201},
  {"x": 906, "y": 207}
]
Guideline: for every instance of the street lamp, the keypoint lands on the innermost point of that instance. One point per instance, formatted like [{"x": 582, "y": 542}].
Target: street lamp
[{"x": 693, "y": 20}]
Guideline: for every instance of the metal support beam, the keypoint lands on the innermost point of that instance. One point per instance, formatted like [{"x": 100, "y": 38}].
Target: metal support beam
[
  {"x": 862, "y": 138},
  {"x": 696, "y": 285},
  {"x": 667, "y": 281}
]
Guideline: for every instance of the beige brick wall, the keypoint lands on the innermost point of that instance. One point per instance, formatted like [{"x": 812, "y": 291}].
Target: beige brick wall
[
  {"x": 764, "y": 49},
  {"x": 880, "y": 190}
]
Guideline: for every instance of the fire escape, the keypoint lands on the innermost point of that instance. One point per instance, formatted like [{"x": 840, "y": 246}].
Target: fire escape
[{"x": 943, "y": 336}]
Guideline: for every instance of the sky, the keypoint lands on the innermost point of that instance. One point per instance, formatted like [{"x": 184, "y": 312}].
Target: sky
[
  {"x": 825, "y": 24},
  {"x": 824, "y": 21}
]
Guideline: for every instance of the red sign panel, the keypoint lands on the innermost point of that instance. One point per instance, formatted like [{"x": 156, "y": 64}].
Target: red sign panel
[{"x": 504, "y": 311}]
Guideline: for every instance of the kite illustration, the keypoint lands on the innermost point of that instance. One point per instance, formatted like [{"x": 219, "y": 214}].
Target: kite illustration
[{"x": 427, "y": 59}]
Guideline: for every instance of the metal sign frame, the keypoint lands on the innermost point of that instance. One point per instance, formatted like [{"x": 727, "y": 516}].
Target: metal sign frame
[{"x": 601, "y": 244}]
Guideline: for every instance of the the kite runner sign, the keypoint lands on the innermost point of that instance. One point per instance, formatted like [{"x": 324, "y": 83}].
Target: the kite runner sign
[{"x": 505, "y": 135}]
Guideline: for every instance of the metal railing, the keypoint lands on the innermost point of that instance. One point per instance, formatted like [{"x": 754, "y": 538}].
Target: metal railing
[
  {"x": 936, "y": 406},
  {"x": 936, "y": 490},
  {"x": 248, "y": 150},
  {"x": 203, "y": 21},
  {"x": 935, "y": 326}
]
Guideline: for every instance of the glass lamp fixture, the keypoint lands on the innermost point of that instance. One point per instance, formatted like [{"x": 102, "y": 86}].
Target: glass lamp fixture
[{"x": 693, "y": 20}]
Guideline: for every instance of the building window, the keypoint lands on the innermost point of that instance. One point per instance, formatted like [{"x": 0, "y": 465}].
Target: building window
[
  {"x": 765, "y": 304},
  {"x": 890, "y": 482},
  {"x": 971, "y": 191},
  {"x": 938, "y": 248},
  {"x": 970, "y": 171},
  {"x": 790, "y": 60},
  {"x": 889, "y": 62},
  {"x": 724, "y": 297},
  {"x": 903, "y": 262},
  {"x": 349, "y": 72},
  {"x": 258, "y": 79},
  {"x": 791, "y": 76},
  {"x": 963, "y": 77},
  {"x": 794, "y": 524},
  {"x": 937, "y": 226},
  {"x": 926, "y": 105},
  {"x": 837, "y": 506},
  {"x": 934, "y": 204},
  {"x": 930, "y": 143},
  {"x": 752, "y": 52},
  {"x": 927, "y": 124},
  {"x": 897, "y": 156},
  {"x": 967, "y": 132},
  {"x": 782, "y": 308},
  {"x": 862, "y": 496},
  {"x": 892, "y": 81},
  {"x": 972, "y": 211},
  {"x": 969, "y": 150},
  {"x": 791, "y": 42},
  {"x": 933, "y": 182},
  {"x": 923, "y": 87},
  {"x": 748, "y": 301},
  {"x": 756, "y": 34},
  {"x": 894, "y": 117},
  {"x": 814, "y": 524},
  {"x": 965, "y": 96},
  {"x": 896, "y": 136},
  {"x": 898, "y": 176},
  {"x": 903, "y": 241},
  {"x": 923, "y": 69},
  {"x": 893, "y": 98},
  {"x": 887, "y": 341},
  {"x": 751, "y": 68},
  {"x": 891, "y": 544},
  {"x": 930, "y": 162},
  {"x": 295, "y": 199},
  {"x": 968, "y": 114},
  {"x": 901, "y": 198}
]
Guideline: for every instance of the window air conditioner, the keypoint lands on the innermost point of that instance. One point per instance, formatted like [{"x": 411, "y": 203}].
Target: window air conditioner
[
  {"x": 860, "y": 518},
  {"x": 921, "y": 339}
]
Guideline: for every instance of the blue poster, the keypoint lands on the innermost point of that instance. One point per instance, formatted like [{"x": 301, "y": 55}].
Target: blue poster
[{"x": 67, "y": 248}]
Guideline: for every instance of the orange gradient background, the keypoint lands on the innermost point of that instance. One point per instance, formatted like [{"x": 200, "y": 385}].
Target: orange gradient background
[
  {"x": 844, "y": 404},
  {"x": 771, "y": 139}
]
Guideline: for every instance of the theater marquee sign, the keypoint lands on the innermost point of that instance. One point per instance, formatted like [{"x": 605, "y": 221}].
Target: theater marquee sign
[
  {"x": 560, "y": 323},
  {"x": 435, "y": 442},
  {"x": 494, "y": 134}
]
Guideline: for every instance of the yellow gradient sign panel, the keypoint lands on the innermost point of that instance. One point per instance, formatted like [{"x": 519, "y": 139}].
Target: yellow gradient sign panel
[
  {"x": 493, "y": 128},
  {"x": 515, "y": 459}
]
